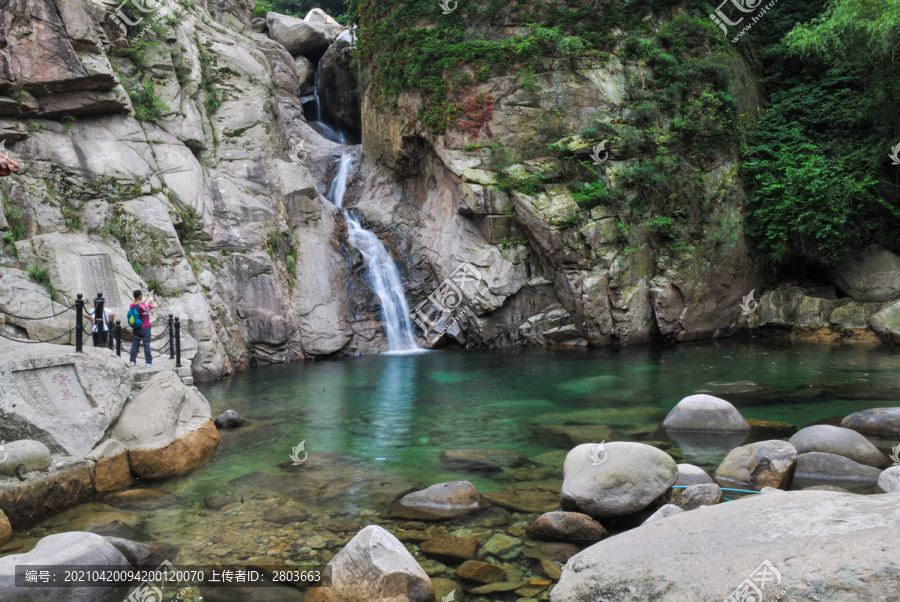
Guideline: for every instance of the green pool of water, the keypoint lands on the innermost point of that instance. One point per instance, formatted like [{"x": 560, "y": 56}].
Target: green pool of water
[{"x": 383, "y": 420}]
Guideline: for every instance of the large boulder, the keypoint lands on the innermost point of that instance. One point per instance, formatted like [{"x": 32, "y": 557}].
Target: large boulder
[
  {"x": 31, "y": 455},
  {"x": 71, "y": 548},
  {"x": 320, "y": 17},
  {"x": 296, "y": 35},
  {"x": 669, "y": 559},
  {"x": 837, "y": 440},
  {"x": 166, "y": 429},
  {"x": 444, "y": 500},
  {"x": 339, "y": 84},
  {"x": 705, "y": 413},
  {"x": 757, "y": 465},
  {"x": 819, "y": 466},
  {"x": 6, "y": 531},
  {"x": 65, "y": 400},
  {"x": 688, "y": 474},
  {"x": 877, "y": 421},
  {"x": 888, "y": 480},
  {"x": 632, "y": 477},
  {"x": 374, "y": 565},
  {"x": 872, "y": 275}
]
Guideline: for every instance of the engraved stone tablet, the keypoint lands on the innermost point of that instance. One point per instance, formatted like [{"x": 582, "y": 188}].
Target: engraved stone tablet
[
  {"x": 99, "y": 278},
  {"x": 52, "y": 391}
]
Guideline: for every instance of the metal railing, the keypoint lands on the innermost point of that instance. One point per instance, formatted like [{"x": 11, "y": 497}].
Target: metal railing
[{"x": 107, "y": 335}]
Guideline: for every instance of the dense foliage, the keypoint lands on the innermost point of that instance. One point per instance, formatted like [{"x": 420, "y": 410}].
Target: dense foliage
[
  {"x": 819, "y": 181},
  {"x": 299, "y": 8}
]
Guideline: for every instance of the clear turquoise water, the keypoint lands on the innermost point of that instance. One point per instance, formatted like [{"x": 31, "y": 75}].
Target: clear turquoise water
[
  {"x": 399, "y": 412},
  {"x": 374, "y": 428}
]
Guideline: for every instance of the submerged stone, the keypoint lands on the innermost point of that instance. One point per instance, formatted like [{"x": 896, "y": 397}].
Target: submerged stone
[{"x": 443, "y": 500}]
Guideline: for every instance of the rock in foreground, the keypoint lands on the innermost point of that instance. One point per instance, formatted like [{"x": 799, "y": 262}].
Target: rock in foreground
[
  {"x": 628, "y": 480},
  {"x": 757, "y": 465},
  {"x": 705, "y": 413},
  {"x": 71, "y": 548},
  {"x": 374, "y": 567},
  {"x": 444, "y": 500},
  {"x": 567, "y": 526},
  {"x": 837, "y": 440},
  {"x": 667, "y": 560}
]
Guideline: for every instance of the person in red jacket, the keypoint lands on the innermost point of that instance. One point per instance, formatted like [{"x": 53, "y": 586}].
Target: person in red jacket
[
  {"x": 7, "y": 165},
  {"x": 142, "y": 334}
]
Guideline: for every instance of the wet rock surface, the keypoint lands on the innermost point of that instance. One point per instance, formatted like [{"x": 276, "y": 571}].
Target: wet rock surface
[{"x": 705, "y": 413}]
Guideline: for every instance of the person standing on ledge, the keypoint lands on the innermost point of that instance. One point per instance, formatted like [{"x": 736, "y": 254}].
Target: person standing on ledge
[
  {"x": 101, "y": 327},
  {"x": 140, "y": 325}
]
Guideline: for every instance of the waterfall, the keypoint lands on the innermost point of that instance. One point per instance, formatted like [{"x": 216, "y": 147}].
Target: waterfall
[{"x": 380, "y": 268}]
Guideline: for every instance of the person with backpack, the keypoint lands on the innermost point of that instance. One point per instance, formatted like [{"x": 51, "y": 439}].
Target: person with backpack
[{"x": 139, "y": 319}]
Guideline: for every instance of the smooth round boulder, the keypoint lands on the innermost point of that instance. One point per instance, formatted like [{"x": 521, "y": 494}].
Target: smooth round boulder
[
  {"x": 688, "y": 474},
  {"x": 821, "y": 466},
  {"x": 888, "y": 480},
  {"x": 33, "y": 455},
  {"x": 374, "y": 565},
  {"x": 705, "y": 413},
  {"x": 632, "y": 476},
  {"x": 870, "y": 276},
  {"x": 6, "y": 531},
  {"x": 567, "y": 526},
  {"x": 839, "y": 441},
  {"x": 757, "y": 465},
  {"x": 694, "y": 496},
  {"x": 296, "y": 35},
  {"x": 229, "y": 419},
  {"x": 440, "y": 501},
  {"x": 877, "y": 421}
]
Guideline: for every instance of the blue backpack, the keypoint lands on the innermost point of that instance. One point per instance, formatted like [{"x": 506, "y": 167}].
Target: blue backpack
[{"x": 134, "y": 318}]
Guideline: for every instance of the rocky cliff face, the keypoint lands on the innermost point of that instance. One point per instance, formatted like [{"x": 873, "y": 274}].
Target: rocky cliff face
[
  {"x": 503, "y": 195},
  {"x": 173, "y": 148},
  {"x": 166, "y": 150}
]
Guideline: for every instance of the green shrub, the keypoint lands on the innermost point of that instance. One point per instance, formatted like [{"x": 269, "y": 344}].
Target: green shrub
[{"x": 147, "y": 105}]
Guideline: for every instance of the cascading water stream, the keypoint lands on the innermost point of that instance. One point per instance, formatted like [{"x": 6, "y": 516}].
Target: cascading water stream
[
  {"x": 382, "y": 272},
  {"x": 317, "y": 117}
]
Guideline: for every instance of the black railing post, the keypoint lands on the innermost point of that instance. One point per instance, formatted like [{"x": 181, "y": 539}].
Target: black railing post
[
  {"x": 177, "y": 342},
  {"x": 99, "y": 320},
  {"x": 79, "y": 316},
  {"x": 171, "y": 338},
  {"x": 119, "y": 338}
]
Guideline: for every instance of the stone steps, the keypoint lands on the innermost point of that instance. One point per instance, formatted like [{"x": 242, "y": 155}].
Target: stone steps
[{"x": 142, "y": 374}]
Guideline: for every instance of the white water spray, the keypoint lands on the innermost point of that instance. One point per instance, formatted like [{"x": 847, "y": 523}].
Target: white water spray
[{"x": 383, "y": 274}]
